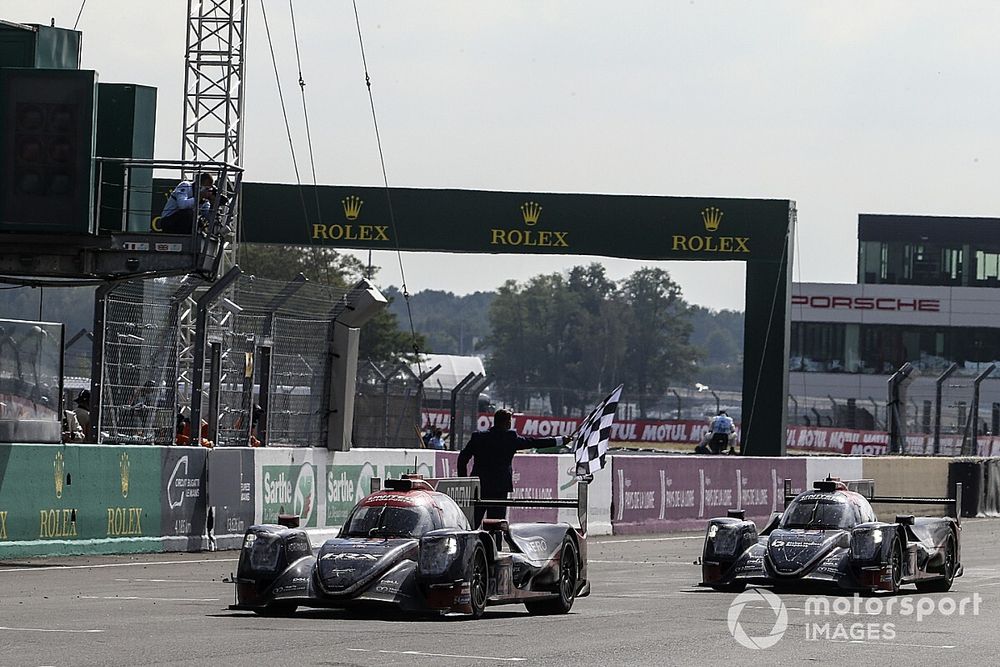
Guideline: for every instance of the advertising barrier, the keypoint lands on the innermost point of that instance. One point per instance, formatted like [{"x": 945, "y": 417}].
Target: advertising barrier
[
  {"x": 184, "y": 501},
  {"x": 77, "y": 499},
  {"x": 320, "y": 486},
  {"x": 662, "y": 493},
  {"x": 57, "y": 499},
  {"x": 231, "y": 493}
]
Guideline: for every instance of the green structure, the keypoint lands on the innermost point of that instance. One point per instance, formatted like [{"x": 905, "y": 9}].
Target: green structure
[{"x": 758, "y": 232}]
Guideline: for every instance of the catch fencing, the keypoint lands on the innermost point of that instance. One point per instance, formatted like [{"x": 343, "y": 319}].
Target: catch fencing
[{"x": 247, "y": 358}]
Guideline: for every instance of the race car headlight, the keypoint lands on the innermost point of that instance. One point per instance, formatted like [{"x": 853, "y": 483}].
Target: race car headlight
[
  {"x": 724, "y": 540},
  {"x": 437, "y": 554},
  {"x": 264, "y": 552},
  {"x": 866, "y": 544}
]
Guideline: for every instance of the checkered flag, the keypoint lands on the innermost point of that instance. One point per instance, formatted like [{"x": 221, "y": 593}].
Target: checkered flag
[{"x": 590, "y": 444}]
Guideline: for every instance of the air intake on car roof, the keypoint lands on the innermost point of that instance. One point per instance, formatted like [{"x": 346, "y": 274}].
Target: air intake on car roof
[{"x": 408, "y": 483}]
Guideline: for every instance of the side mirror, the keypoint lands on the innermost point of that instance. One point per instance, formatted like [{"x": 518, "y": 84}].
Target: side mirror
[
  {"x": 904, "y": 519},
  {"x": 737, "y": 514},
  {"x": 844, "y": 541}
]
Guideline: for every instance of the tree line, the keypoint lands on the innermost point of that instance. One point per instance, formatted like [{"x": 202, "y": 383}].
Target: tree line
[{"x": 564, "y": 337}]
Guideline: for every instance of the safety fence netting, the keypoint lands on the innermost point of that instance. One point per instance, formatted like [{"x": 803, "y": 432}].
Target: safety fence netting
[
  {"x": 137, "y": 364},
  {"x": 249, "y": 359}
]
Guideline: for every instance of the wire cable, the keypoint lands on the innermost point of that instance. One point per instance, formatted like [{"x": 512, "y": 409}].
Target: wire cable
[
  {"x": 284, "y": 114},
  {"x": 79, "y": 14},
  {"x": 385, "y": 181},
  {"x": 305, "y": 112}
]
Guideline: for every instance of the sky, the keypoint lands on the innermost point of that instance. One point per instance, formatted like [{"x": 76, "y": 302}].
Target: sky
[{"x": 843, "y": 107}]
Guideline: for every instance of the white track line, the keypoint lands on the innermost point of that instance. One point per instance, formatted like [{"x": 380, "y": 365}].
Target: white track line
[
  {"x": 889, "y": 644},
  {"x": 647, "y": 539},
  {"x": 438, "y": 655},
  {"x": 173, "y": 581},
  {"x": 78, "y": 632},
  {"x": 50, "y": 568},
  {"x": 137, "y": 597},
  {"x": 638, "y": 562}
]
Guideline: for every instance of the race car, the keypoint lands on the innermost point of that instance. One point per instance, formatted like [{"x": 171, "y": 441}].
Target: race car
[
  {"x": 831, "y": 536},
  {"x": 412, "y": 547}
]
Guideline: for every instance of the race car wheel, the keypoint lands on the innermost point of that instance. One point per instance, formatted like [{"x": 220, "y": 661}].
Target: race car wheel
[
  {"x": 479, "y": 582},
  {"x": 896, "y": 566},
  {"x": 950, "y": 566},
  {"x": 737, "y": 587},
  {"x": 276, "y": 610},
  {"x": 569, "y": 574}
]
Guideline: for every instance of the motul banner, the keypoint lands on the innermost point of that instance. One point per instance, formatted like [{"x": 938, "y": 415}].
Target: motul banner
[
  {"x": 852, "y": 442},
  {"x": 534, "y": 426}
]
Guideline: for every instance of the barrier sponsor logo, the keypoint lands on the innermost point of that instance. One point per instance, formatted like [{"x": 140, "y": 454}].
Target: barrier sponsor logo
[
  {"x": 662, "y": 493},
  {"x": 124, "y": 521},
  {"x": 535, "y": 477},
  {"x": 56, "y": 523},
  {"x": 345, "y": 486},
  {"x": 123, "y": 466},
  {"x": 751, "y": 604},
  {"x": 180, "y": 485},
  {"x": 290, "y": 489},
  {"x": 3, "y": 524},
  {"x": 59, "y": 470}
]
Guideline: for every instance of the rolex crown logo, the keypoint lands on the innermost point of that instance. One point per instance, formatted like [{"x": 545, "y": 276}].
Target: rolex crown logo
[
  {"x": 711, "y": 216},
  {"x": 531, "y": 211},
  {"x": 123, "y": 466},
  {"x": 352, "y": 207},
  {"x": 58, "y": 469}
]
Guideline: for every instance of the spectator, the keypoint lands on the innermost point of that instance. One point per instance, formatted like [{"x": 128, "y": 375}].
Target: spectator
[
  {"x": 437, "y": 439},
  {"x": 178, "y": 215}
]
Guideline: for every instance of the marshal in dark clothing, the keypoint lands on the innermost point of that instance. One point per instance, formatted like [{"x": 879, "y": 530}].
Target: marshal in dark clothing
[{"x": 493, "y": 451}]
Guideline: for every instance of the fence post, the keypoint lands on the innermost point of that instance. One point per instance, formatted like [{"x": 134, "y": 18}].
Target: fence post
[
  {"x": 897, "y": 384},
  {"x": 453, "y": 419},
  {"x": 969, "y": 448},
  {"x": 679, "y": 402},
  {"x": 97, "y": 363},
  {"x": 938, "y": 383},
  {"x": 203, "y": 303}
]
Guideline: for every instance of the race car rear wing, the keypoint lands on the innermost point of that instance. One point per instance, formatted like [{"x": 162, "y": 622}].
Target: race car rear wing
[
  {"x": 465, "y": 492},
  {"x": 866, "y": 487}
]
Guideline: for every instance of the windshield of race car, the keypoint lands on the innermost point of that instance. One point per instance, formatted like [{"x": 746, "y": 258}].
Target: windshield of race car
[
  {"x": 819, "y": 513},
  {"x": 387, "y": 521}
]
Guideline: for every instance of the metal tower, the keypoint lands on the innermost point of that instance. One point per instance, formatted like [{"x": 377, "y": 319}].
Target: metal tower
[
  {"x": 214, "y": 67},
  {"x": 213, "y": 87}
]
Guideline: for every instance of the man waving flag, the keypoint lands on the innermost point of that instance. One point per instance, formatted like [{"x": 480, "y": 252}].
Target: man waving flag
[{"x": 590, "y": 444}]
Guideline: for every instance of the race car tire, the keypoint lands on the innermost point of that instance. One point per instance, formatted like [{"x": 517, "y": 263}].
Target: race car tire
[
  {"x": 736, "y": 587},
  {"x": 479, "y": 579},
  {"x": 276, "y": 610},
  {"x": 569, "y": 574},
  {"x": 896, "y": 566},
  {"x": 950, "y": 566}
]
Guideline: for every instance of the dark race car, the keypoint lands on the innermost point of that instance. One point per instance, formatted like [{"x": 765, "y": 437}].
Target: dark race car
[
  {"x": 831, "y": 536},
  {"x": 412, "y": 547}
]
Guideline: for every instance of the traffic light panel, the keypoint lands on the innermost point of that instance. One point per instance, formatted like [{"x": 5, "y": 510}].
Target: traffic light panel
[{"x": 47, "y": 122}]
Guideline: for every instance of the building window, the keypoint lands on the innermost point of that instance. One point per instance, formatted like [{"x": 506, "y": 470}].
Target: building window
[
  {"x": 828, "y": 347},
  {"x": 987, "y": 265}
]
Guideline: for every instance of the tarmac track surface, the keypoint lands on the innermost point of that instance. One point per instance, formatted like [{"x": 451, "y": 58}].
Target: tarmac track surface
[{"x": 645, "y": 609}]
